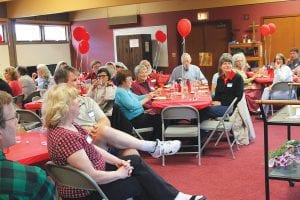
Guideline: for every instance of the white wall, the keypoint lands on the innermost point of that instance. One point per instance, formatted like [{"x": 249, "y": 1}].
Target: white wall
[
  {"x": 33, "y": 54},
  {"x": 163, "y": 58},
  {"x": 4, "y": 57}
]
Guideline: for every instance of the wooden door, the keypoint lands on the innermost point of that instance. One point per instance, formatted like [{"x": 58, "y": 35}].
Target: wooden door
[
  {"x": 123, "y": 50},
  {"x": 211, "y": 37},
  {"x": 132, "y": 49}
]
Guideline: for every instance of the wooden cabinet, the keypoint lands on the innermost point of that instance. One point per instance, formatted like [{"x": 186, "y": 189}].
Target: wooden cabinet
[{"x": 252, "y": 51}]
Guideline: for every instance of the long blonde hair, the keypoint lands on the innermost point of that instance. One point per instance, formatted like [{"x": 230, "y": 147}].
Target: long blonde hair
[{"x": 56, "y": 104}]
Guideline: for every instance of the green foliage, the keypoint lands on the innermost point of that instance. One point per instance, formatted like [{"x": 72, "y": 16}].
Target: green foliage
[{"x": 282, "y": 148}]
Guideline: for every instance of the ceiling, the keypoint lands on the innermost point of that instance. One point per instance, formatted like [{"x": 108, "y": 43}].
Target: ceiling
[{"x": 27, "y": 8}]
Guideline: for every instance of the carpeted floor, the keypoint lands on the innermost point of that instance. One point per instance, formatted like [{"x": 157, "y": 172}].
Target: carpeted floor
[{"x": 221, "y": 178}]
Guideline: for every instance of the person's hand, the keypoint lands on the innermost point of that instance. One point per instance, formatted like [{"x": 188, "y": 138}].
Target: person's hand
[
  {"x": 124, "y": 168},
  {"x": 95, "y": 132},
  {"x": 216, "y": 103},
  {"x": 34, "y": 75},
  {"x": 150, "y": 95},
  {"x": 96, "y": 83}
]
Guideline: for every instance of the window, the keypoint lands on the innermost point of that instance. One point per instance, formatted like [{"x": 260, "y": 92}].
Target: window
[
  {"x": 1, "y": 32},
  {"x": 55, "y": 32},
  {"x": 28, "y": 32}
]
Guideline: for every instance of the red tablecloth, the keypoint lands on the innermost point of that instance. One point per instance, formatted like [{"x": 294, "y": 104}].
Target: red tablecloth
[
  {"x": 269, "y": 80},
  {"x": 264, "y": 80},
  {"x": 31, "y": 149},
  {"x": 35, "y": 105},
  {"x": 202, "y": 100}
]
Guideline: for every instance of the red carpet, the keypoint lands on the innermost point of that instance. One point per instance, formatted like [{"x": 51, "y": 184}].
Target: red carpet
[{"x": 221, "y": 178}]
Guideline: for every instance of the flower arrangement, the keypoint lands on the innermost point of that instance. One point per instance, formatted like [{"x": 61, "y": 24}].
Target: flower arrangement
[{"x": 286, "y": 155}]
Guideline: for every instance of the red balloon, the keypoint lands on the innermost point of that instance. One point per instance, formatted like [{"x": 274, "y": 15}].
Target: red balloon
[
  {"x": 79, "y": 32},
  {"x": 86, "y": 36},
  {"x": 84, "y": 46},
  {"x": 0, "y": 38},
  {"x": 160, "y": 36},
  {"x": 184, "y": 27},
  {"x": 265, "y": 30},
  {"x": 272, "y": 28}
]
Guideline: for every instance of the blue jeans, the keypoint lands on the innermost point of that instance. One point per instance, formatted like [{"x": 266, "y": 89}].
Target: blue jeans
[{"x": 212, "y": 112}]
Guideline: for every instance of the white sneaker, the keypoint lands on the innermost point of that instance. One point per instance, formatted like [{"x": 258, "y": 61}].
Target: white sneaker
[{"x": 166, "y": 148}]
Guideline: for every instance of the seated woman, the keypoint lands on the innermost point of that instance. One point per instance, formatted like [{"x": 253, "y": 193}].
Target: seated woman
[
  {"x": 11, "y": 77},
  {"x": 43, "y": 76},
  {"x": 131, "y": 104},
  {"x": 229, "y": 86},
  {"x": 152, "y": 75},
  {"x": 103, "y": 91},
  {"x": 282, "y": 73},
  {"x": 252, "y": 90},
  {"x": 141, "y": 85},
  {"x": 119, "y": 178}
]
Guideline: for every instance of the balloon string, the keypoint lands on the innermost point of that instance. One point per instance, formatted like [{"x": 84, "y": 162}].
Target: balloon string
[
  {"x": 77, "y": 54},
  {"x": 159, "y": 48},
  {"x": 265, "y": 51},
  {"x": 183, "y": 44},
  {"x": 270, "y": 49},
  {"x": 80, "y": 67},
  {"x": 155, "y": 57}
]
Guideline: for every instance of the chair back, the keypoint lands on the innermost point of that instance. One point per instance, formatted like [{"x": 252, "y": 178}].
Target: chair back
[
  {"x": 18, "y": 100},
  {"x": 119, "y": 121},
  {"x": 180, "y": 112},
  {"x": 72, "y": 177},
  {"x": 33, "y": 94},
  {"x": 282, "y": 91},
  {"x": 229, "y": 110},
  {"x": 28, "y": 119}
]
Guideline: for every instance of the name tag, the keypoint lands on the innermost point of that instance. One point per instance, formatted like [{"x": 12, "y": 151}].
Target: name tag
[
  {"x": 229, "y": 85},
  {"x": 91, "y": 114},
  {"x": 89, "y": 139}
]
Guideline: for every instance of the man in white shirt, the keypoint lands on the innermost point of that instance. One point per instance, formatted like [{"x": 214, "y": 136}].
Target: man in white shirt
[{"x": 187, "y": 71}]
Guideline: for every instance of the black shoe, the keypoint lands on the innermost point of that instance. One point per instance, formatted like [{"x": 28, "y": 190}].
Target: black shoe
[{"x": 200, "y": 197}]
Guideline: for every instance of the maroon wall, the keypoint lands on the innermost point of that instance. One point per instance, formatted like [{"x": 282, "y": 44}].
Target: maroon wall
[{"x": 101, "y": 42}]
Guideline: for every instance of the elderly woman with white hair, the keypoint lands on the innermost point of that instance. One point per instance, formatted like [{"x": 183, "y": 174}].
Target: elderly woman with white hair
[
  {"x": 141, "y": 86},
  {"x": 43, "y": 76},
  {"x": 252, "y": 90}
]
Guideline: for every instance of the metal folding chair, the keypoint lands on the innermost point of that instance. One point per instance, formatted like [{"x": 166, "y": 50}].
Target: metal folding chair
[
  {"x": 220, "y": 126},
  {"x": 72, "y": 177},
  {"x": 282, "y": 91},
  {"x": 181, "y": 130},
  {"x": 28, "y": 119}
]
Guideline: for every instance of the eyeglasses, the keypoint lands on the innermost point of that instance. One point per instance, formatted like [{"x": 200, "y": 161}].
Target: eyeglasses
[
  {"x": 12, "y": 118},
  {"x": 102, "y": 76}
]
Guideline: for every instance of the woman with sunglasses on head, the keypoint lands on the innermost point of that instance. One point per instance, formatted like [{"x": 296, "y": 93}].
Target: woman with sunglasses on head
[{"x": 103, "y": 91}]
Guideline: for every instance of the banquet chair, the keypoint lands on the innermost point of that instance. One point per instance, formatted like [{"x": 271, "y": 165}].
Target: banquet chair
[
  {"x": 220, "y": 126},
  {"x": 282, "y": 91},
  {"x": 72, "y": 177},
  {"x": 31, "y": 95},
  {"x": 18, "y": 100},
  {"x": 28, "y": 119},
  {"x": 170, "y": 128},
  {"x": 120, "y": 122}
]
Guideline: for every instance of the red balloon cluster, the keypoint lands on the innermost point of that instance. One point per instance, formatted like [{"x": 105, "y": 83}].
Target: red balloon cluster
[
  {"x": 0, "y": 38},
  {"x": 184, "y": 27},
  {"x": 267, "y": 29},
  {"x": 160, "y": 36},
  {"x": 83, "y": 37}
]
